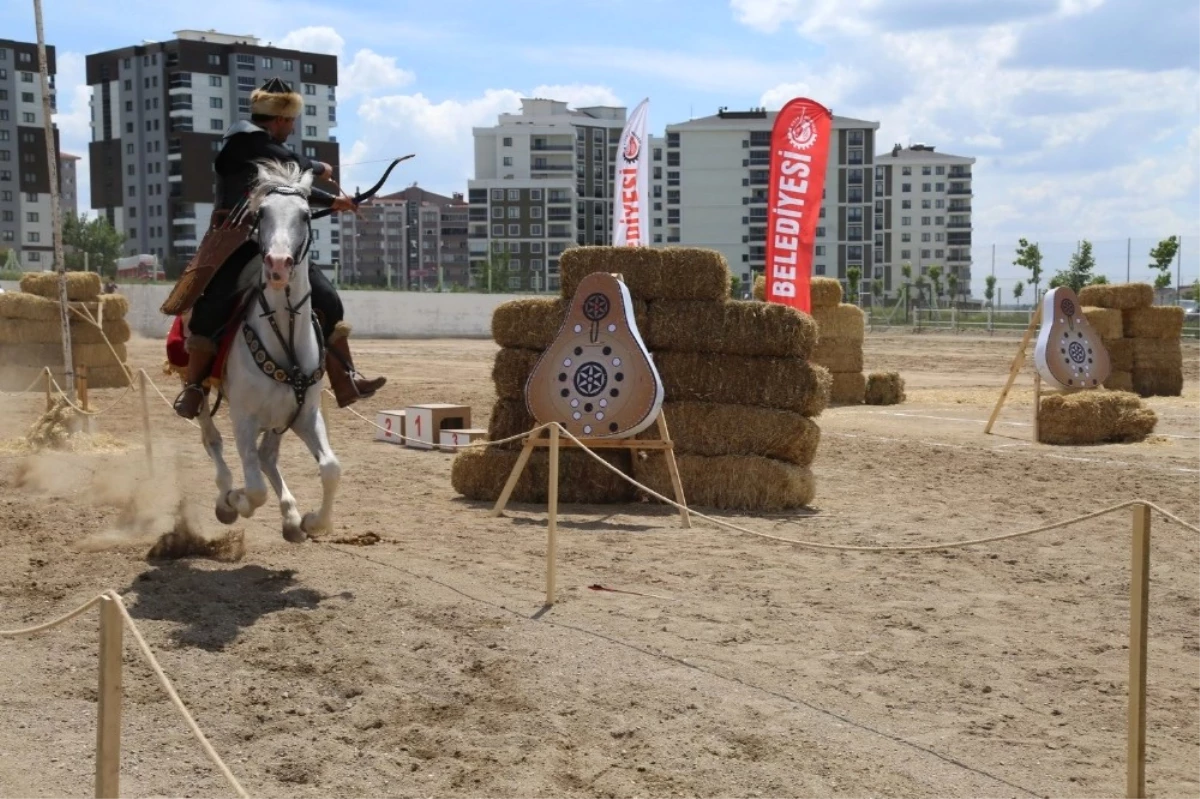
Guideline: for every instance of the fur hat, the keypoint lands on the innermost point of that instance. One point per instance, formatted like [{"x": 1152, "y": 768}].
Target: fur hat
[{"x": 275, "y": 99}]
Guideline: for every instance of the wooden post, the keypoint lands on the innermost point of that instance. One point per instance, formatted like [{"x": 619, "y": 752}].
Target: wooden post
[
  {"x": 1019, "y": 361},
  {"x": 552, "y": 525},
  {"x": 145, "y": 417},
  {"x": 1139, "y": 599},
  {"x": 108, "y": 728},
  {"x": 673, "y": 470},
  {"x": 49, "y": 390},
  {"x": 81, "y": 388},
  {"x": 1037, "y": 405}
]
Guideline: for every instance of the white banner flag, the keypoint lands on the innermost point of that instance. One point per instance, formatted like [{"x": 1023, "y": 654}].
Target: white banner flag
[{"x": 630, "y": 217}]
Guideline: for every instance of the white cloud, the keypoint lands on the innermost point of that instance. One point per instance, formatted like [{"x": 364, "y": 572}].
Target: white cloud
[
  {"x": 828, "y": 89},
  {"x": 314, "y": 39},
  {"x": 370, "y": 72},
  {"x": 74, "y": 120}
]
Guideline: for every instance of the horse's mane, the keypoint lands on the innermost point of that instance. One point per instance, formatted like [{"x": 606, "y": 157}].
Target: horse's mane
[{"x": 278, "y": 175}]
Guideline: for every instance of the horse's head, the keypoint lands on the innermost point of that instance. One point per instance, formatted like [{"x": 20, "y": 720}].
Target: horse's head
[{"x": 280, "y": 202}]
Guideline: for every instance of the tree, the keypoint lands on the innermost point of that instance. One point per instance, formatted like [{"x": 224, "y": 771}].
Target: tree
[
  {"x": 952, "y": 282},
  {"x": 906, "y": 270},
  {"x": 877, "y": 289},
  {"x": 1018, "y": 290},
  {"x": 853, "y": 275},
  {"x": 735, "y": 284},
  {"x": 1029, "y": 256},
  {"x": 989, "y": 291},
  {"x": 935, "y": 278},
  {"x": 1099, "y": 280},
  {"x": 97, "y": 238},
  {"x": 493, "y": 276},
  {"x": 1163, "y": 255},
  {"x": 1079, "y": 271}
]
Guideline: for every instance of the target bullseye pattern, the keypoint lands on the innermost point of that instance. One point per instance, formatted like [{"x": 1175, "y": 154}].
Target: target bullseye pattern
[
  {"x": 1068, "y": 307},
  {"x": 1077, "y": 352},
  {"x": 596, "y": 307},
  {"x": 590, "y": 379}
]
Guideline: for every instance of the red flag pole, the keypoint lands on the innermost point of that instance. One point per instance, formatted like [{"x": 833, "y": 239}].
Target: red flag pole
[{"x": 800, "y": 142}]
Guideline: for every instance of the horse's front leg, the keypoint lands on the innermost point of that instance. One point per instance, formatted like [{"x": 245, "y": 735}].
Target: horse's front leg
[
  {"x": 268, "y": 455},
  {"x": 310, "y": 427},
  {"x": 211, "y": 437},
  {"x": 254, "y": 494}
]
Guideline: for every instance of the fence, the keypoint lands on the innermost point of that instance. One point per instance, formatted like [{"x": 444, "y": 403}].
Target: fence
[{"x": 956, "y": 320}]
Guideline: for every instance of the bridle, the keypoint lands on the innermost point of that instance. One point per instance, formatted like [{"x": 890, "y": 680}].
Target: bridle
[{"x": 291, "y": 374}]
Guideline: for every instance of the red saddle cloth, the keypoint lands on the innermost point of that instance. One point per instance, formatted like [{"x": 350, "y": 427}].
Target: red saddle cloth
[{"x": 177, "y": 354}]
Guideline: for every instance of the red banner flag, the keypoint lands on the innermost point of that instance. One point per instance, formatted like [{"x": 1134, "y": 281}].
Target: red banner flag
[{"x": 799, "y": 153}]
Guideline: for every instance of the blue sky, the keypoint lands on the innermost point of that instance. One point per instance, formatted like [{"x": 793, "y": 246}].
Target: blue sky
[{"x": 1084, "y": 115}]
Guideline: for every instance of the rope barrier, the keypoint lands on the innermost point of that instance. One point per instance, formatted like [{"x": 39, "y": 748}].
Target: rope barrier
[{"x": 152, "y": 661}]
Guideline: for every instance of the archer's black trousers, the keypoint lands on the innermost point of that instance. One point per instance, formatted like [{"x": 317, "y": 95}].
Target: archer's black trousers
[{"x": 213, "y": 312}]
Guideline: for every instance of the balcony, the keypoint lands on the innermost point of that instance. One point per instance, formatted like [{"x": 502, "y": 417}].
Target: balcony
[
  {"x": 961, "y": 225},
  {"x": 959, "y": 209},
  {"x": 958, "y": 189},
  {"x": 541, "y": 147},
  {"x": 959, "y": 174},
  {"x": 542, "y": 166}
]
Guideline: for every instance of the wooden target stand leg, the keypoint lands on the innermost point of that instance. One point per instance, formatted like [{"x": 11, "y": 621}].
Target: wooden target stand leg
[
  {"x": 1014, "y": 370},
  {"x": 555, "y": 443}
]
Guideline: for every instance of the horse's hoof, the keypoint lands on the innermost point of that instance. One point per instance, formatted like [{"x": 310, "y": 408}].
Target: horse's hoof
[
  {"x": 311, "y": 523},
  {"x": 226, "y": 514},
  {"x": 294, "y": 533}
]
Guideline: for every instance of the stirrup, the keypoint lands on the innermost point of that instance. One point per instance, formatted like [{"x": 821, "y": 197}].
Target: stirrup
[{"x": 186, "y": 389}]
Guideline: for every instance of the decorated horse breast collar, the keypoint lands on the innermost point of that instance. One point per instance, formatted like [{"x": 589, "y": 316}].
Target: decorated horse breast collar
[{"x": 291, "y": 374}]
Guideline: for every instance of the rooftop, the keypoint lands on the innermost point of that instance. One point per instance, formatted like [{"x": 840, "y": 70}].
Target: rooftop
[
  {"x": 920, "y": 153},
  {"x": 740, "y": 120}
]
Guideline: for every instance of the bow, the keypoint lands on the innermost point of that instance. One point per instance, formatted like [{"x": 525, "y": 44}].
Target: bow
[{"x": 361, "y": 197}]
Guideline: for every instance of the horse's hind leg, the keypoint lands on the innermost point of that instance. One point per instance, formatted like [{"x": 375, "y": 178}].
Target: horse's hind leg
[
  {"x": 311, "y": 430},
  {"x": 268, "y": 455},
  {"x": 211, "y": 437}
]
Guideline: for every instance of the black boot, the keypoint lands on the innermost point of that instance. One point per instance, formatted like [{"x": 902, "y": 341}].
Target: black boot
[
  {"x": 348, "y": 387},
  {"x": 201, "y": 353}
]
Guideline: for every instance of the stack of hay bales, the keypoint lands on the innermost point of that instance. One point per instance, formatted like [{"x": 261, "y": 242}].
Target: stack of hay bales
[
  {"x": 740, "y": 392},
  {"x": 842, "y": 328},
  {"x": 31, "y": 331},
  {"x": 1143, "y": 340},
  {"x": 1094, "y": 417}
]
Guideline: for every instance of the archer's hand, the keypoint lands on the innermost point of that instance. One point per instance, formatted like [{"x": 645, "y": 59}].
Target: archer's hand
[{"x": 344, "y": 203}]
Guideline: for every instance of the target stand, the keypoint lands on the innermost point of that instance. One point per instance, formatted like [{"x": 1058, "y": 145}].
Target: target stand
[
  {"x": 1019, "y": 361},
  {"x": 555, "y": 442}
]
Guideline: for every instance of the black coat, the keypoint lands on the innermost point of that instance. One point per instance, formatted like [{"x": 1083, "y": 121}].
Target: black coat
[{"x": 246, "y": 143}]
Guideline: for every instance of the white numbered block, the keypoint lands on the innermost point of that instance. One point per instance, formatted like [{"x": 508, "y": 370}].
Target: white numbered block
[
  {"x": 392, "y": 423},
  {"x": 450, "y": 440},
  {"x": 424, "y": 423}
]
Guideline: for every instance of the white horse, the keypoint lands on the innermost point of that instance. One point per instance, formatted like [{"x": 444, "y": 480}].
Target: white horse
[{"x": 274, "y": 371}]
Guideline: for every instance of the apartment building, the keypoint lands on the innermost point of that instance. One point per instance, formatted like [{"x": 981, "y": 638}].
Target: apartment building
[
  {"x": 924, "y": 217},
  {"x": 543, "y": 182},
  {"x": 159, "y": 110},
  {"x": 413, "y": 239},
  {"x": 26, "y": 223},
  {"x": 710, "y": 178},
  {"x": 68, "y": 187}
]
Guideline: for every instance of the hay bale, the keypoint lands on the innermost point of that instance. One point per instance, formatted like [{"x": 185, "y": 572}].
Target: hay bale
[
  {"x": 849, "y": 388},
  {"x": 1118, "y": 295},
  {"x": 843, "y": 321},
  {"x": 1120, "y": 353},
  {"x": 510, "y": 371},
  {"x": 679, "y": 273},
  {"x": 736, "y": 327},
  {"x": 729, "y": 482},
  {"x": 111, "y": 376},
  {"x": 1157, "y": 353},
  {"x": 1105, "y": 321},
  {"x": 1094, "y": 417},
  {"x": 510, "y": 417},
  {"x": 839, "y": 354},
  {"x": 16, "y": 305},
  {"x": 1158, "y": 382},
  {"x": 788, "y": 384},
  {"x": 1157, "y": 321},
  {"x": 24, "y": 331},
  {"x": 38, "y": 355},
  {"x": 80, "y": 285},
  {"x": 825, "y": 292},
  {"x": 528, "y": 323},
  {"x": 480, "y": 474},
  {"x": 709, "y": 428},
  {"x": 885, "y": 388},
  {"x": 1119, "y": 380}
]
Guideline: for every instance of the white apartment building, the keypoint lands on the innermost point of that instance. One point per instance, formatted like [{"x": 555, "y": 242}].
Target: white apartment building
[
  {"x": 543, "y": 182},
  {"x": 26, "y": 221},
  {"x": 925, "y": 218},
  {"x": 159, "y": 110},
  {"x": 709, "y": 184}
]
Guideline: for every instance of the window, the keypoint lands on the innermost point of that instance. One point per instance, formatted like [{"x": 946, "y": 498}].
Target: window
[
  {"x": 35, "y": 256},
  {"x": 5, "y": 174},
  {"x": 856, "y": 138},
  {"x": 926, "y": 186},
  {"x": 5, "y": 155},
  {"x": 514, "y": 195},
  {"x": 535, "y": 212},
  {"x": 514, "y": 248},
  {"x": 535, "y": 230},
  {"x": 129, "y": 169},
  {"x": 514, "y": 212},
  {"x": 34, "y": 235},
  {"x": 905, "y": 238},
  {"x": 924, "y": 220},
  {"x": 7, "y": 216},
  {"x": 268, "y": 63},
  {"x": 939, "y": 220},
  {"x": 332, "y": 114},
  {"x": 906, "y": 170},
  {"x": 497, "y": 230},
  {"x": 310, "y": 89},
  {"x": 216, "y": 124},
  {"x": 514, "y": 230},
  {"x": 939, "y": 203},
  {"x": 8, "y": 235},
  {"x": 245, "y": 61},
  {"x": 310, "y": 151},
  {"x": 941, "y": 170},
  {"x": 27, "y": 97},
  {"x": 132, "y": 212},
  {"x": 819, "y": 249},
  {"x": 820, "y": 231},
  {"x": 906, "y": 221},
  {"x": 27, "y": 77},
  {"x": 905, "y": 254},
  {"x": 925, "y": 238},
  {"x": 132, "y": 190},
  {"x": 31, "y": 216},
  {"x": 216, "y": 102},
  {"x": 28, "y": 118},
  {"x": 854, "y": 252},
  {"x": 3, "y": 114},
  {"x": 926, "y": 205},
  {"x": 508, "y": 160},
  {"x": 926, "y": 170},
  {"x": 287, "y": 65},
  {"x": 497, "y": 212},
  {"x": 214, "y": 60},
  {"x": 940, "y": 186},
  {"x": 924, "y": 254},
  {"x": 905, "y": 187},
  {"x": 819, "y": 269},
  {"x": 310, "y": 110},
  {"x": 497, "y": 194},
  {"x": 307, "y": 69}
]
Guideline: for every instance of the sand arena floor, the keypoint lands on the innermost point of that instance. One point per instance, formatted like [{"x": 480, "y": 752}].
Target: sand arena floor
[{"x": 424, "y": 664}]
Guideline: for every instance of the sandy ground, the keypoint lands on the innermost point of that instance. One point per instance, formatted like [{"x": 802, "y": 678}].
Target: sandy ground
[{"x": 425, "y": 664}]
